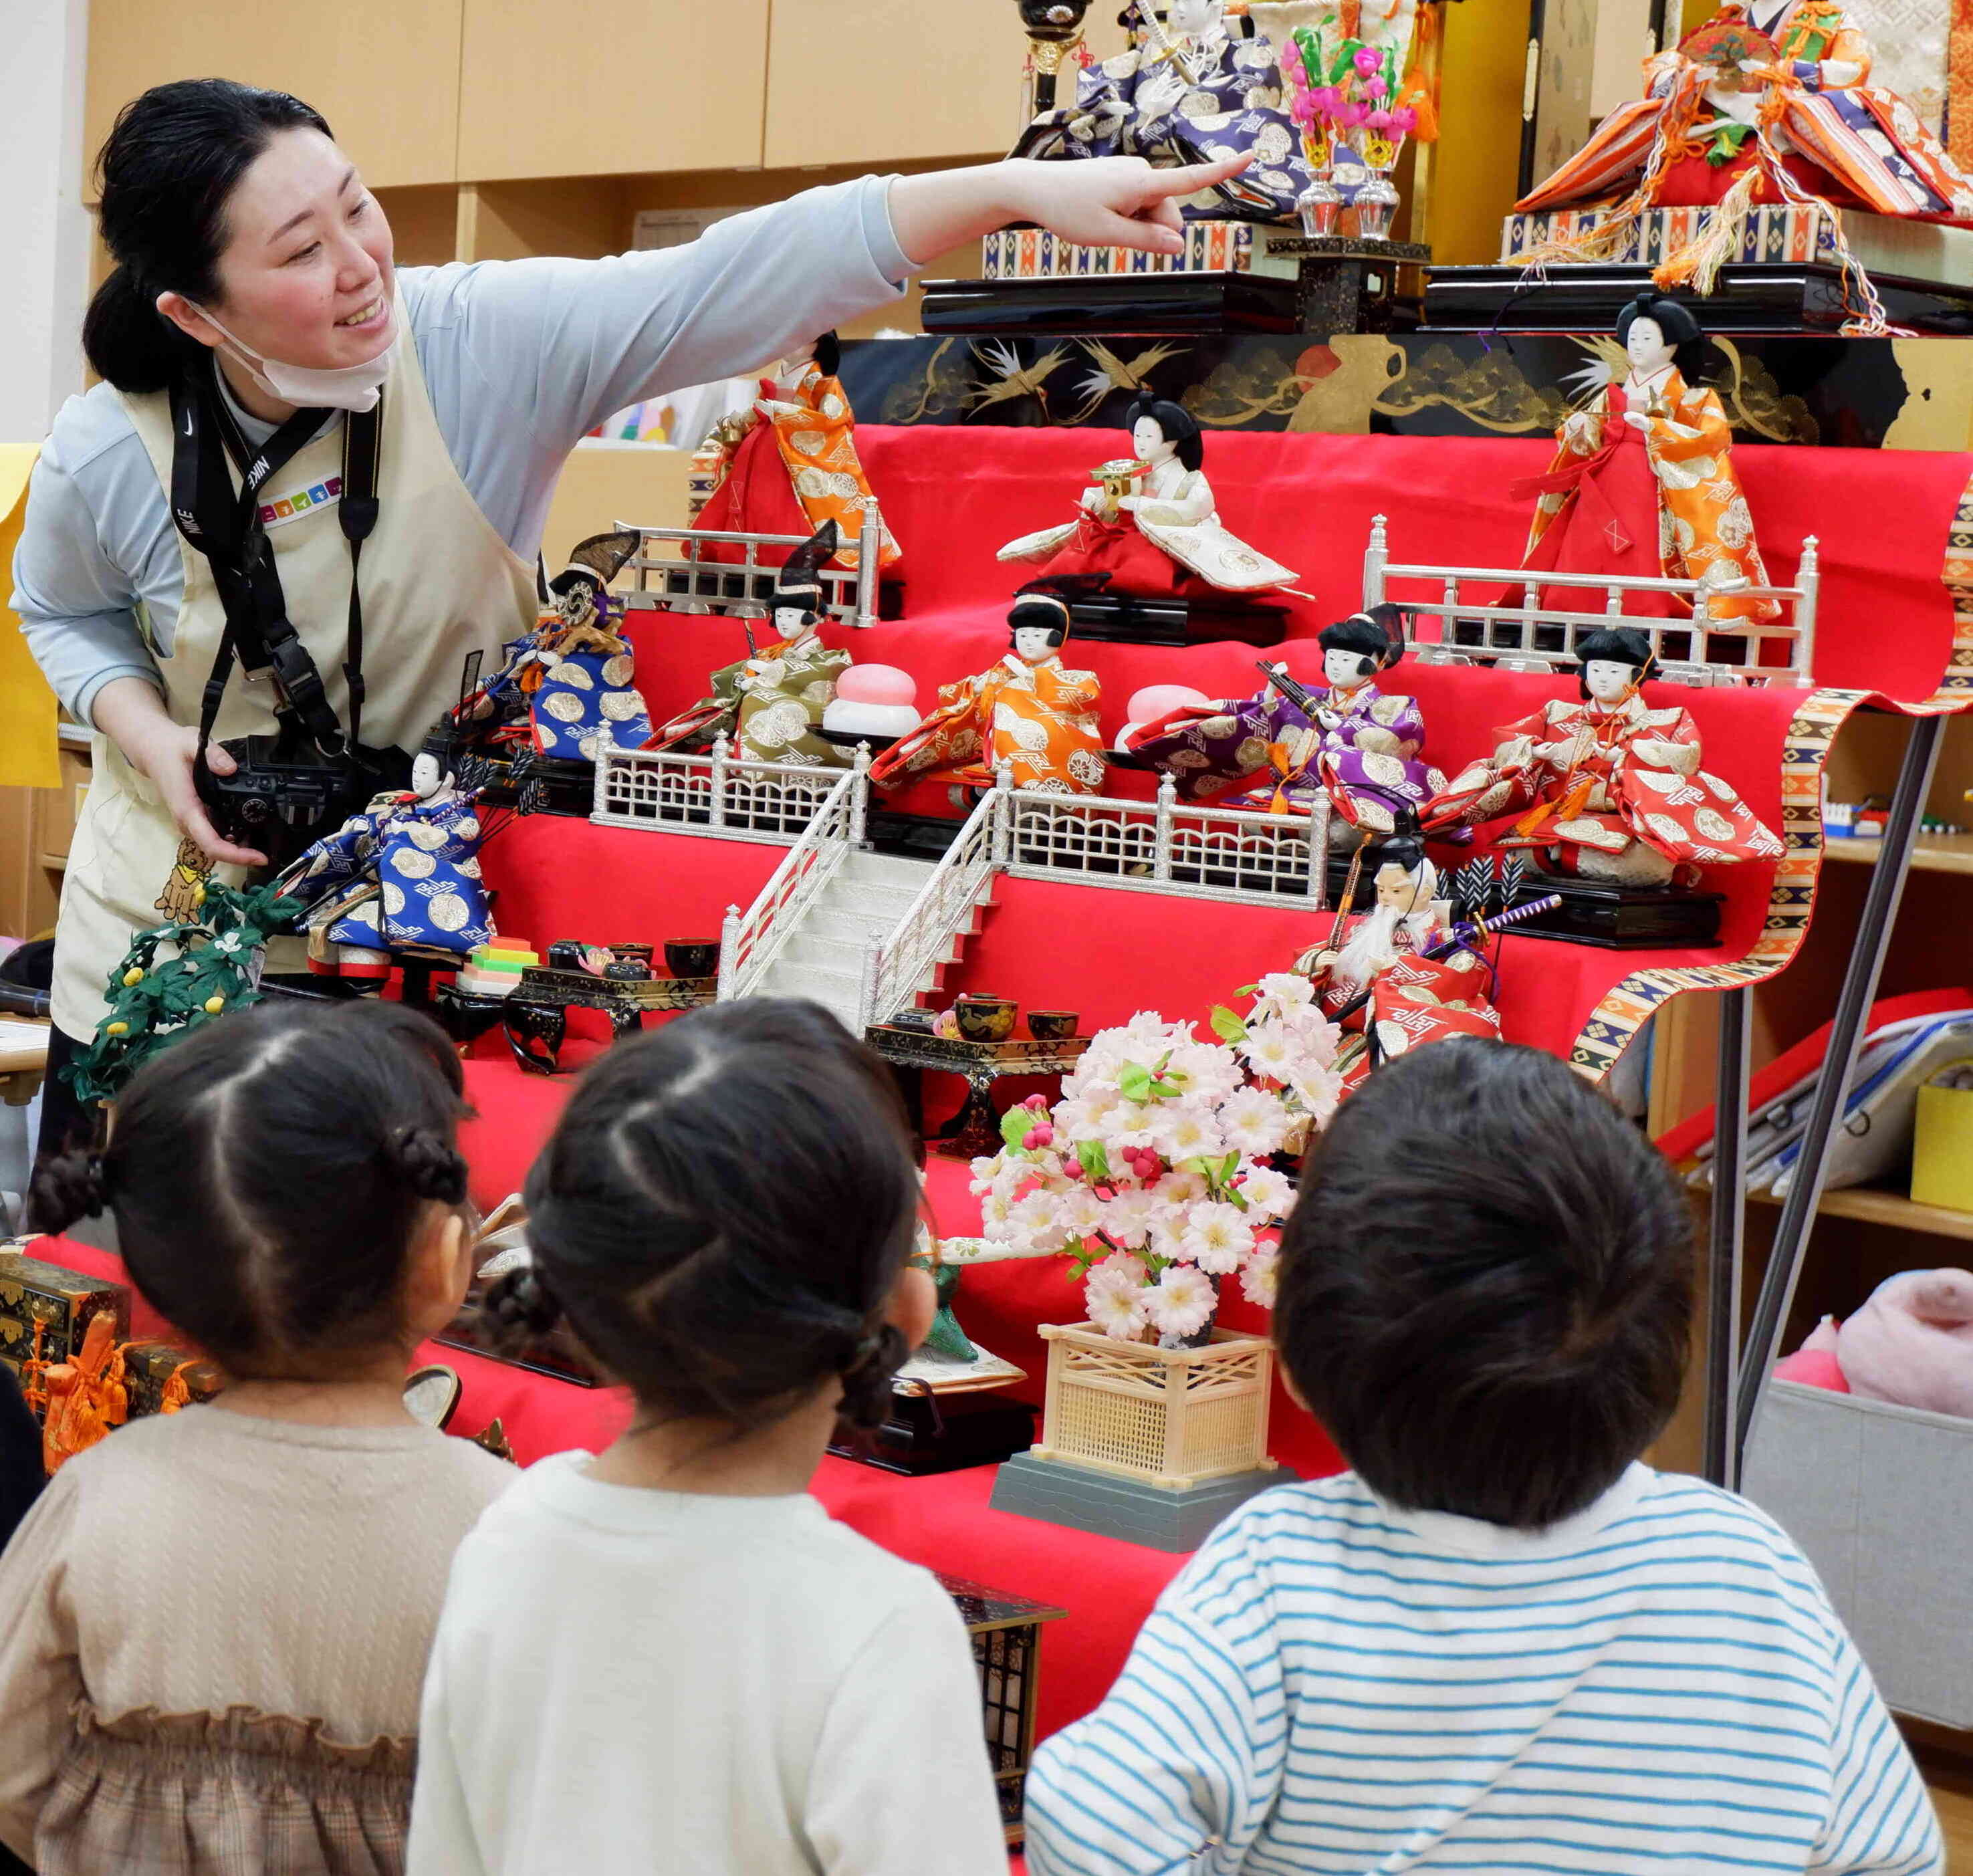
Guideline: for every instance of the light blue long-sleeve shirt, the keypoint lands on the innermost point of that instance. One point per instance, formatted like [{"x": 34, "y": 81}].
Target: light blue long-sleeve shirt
[{"x": 521, "y": 359}]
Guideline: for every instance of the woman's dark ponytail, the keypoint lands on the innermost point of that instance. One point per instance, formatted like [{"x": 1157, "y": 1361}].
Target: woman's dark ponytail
[
  {"x": 166, "y": 175},
  {"x": 128, "y": 340}
]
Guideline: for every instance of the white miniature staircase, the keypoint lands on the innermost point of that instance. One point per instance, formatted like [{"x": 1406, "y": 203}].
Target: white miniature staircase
[{"x": 824, "y": 956}]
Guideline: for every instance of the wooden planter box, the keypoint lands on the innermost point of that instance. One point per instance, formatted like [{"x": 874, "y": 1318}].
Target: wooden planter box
[{"x": 1172, "y": 1417}]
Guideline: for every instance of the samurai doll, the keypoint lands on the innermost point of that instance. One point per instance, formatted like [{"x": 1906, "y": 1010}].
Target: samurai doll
[
  {"x": 1769, "y": 103},
  {"x": 790, "y": 466},
  {"x": 1400, "y": 977},
  {"x": 779, "y": 696},
  {"x": 403, "y": 873},
  {"x": 1351, "y": 742},
  {"x": 1149, "y": 521},
  {"x": 1029, "y": 712},
  {"x": 1190, "y": 91},
  {"x": 568, "y": 689},
  {"x": 1643, "y": 484},
  {"x": 1605, "y": 787}
]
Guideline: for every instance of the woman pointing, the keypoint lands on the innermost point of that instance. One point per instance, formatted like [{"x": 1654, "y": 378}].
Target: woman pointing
[{"x": 255, "y": 323}]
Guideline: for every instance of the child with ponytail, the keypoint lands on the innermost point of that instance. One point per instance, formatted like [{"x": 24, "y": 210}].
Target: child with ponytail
[
  {"x": 217, "y": 1621},
  {"x": 668, "y": 1656}
]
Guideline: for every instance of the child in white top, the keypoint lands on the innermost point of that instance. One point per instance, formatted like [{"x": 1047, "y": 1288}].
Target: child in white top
[
  {"x": 216, "y": 1620},
  {"x": 1500, "y": 1643},
  {"x": 668, "y": 1658}
]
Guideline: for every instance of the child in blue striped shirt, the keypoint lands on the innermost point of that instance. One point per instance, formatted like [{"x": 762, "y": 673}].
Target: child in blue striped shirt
[{"x": 1500, "y": 1643}]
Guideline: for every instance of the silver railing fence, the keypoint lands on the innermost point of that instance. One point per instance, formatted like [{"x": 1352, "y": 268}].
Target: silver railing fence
[
  {"x": 716, "y": 794},
  {"x": 749, "y": 942},
  {"x": 684, "y": 581},
  {"x": 895, "y": 966},
  {"x": 1534, "y": 637}
]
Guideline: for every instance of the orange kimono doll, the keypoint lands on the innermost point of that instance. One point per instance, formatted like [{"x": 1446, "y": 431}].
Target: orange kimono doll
[
  {"x": 87, "y": 1395},
  {"x": 1607, "y": 787},
  {"x": 1028, "y": 712},
  {"x": 1643, "y": 485},
  {"x": 795, "y": 467}
]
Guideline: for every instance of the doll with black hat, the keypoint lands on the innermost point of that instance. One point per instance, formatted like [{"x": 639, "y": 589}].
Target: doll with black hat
[
  {"x": 1029, "y": 711},
  {"x": 1604, "y": 786}
]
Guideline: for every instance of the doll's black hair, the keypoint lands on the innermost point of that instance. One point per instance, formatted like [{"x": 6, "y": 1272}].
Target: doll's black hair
[
  {"x": 827, "y": 351},
  {"x": 1678, "y": 323},
  {"x": 1620, "y": 645},
  {"x": 1177, "y": 425},
  {"x": 269, "y": 1174},
  {"x": 1050, "y": 603},
  {"x": 800, "y": 581},
  {"x": 721, "y": 1215},
  {"x": 1377, "y": 634},
  {"x": 166, "y": 174},
  {"x": 1486, "y": 1285}
]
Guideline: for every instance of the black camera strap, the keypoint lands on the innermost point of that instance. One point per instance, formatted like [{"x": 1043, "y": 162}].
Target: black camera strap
[{"x": 226, "y": 528}]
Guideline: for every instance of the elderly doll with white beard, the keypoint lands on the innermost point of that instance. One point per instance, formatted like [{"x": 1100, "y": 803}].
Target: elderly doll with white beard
[{"x": 1379, "y": 983}]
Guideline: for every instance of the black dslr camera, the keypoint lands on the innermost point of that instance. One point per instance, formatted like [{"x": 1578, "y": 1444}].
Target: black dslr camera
[{"x": 286, "y": 793}]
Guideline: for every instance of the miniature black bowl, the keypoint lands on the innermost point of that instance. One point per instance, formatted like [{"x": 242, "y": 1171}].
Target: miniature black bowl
[{"x": 691, "y": 957}]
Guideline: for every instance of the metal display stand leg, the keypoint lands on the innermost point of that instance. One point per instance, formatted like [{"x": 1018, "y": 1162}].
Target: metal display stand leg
[
  {"x": 1727, "y": 1239},
  {"x": 1852, "y": 1005}
]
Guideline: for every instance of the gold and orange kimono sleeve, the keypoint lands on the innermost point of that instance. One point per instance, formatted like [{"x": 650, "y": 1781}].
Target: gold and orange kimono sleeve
[
  {"x": 1041, "y": 722},
  {"x": 815, "y": 431},
  {"x": 1710, "y": 536}
]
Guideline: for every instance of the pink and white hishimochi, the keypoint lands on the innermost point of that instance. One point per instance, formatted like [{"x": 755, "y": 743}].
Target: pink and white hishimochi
[
  {"x": 873, "y": 700},
  {"x": 1155, "y": 701}
]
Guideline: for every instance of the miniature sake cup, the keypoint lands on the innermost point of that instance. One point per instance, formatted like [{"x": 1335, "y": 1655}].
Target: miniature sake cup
[
  {"x": 691, "y": 957},
  {"x": 1051, "y": 1025},
  {"x": 985, "y": 1019}
]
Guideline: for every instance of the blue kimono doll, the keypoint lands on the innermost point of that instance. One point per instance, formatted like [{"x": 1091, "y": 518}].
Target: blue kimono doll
[
  {"x": 1193, "y": 92},
  {"x": 403, "y": 874}
]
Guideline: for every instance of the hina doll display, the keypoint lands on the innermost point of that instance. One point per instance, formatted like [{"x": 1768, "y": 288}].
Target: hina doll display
[
  {"x": 1769, "y": 101},
  {"x": 1605, "y": 786},
  {"x": 1149, "y": 521},
  {"x": 1029, "y": 712},
  {"x": 1190, "y": 90},
  {"x": 1379, "y": 982},
  {"x": 1353, "y": 743},
  {"x": 791, "y": 466},
  {"x": 773, "y": 702},
  {"x": 403, "y": 874},
  {"x": 1642, "y": 485}
]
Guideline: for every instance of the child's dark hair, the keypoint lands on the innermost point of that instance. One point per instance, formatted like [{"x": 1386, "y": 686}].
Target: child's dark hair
[
  {"x": 268, "y": 1175},
  {"x": 166, "y": 174},
  {"x": 1486, "y": 1286},
  {"x": 721, "y": 1215}
]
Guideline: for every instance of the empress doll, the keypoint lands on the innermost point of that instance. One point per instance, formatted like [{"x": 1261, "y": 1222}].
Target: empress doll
[
  {"x": 793, "y": 465},
  {"x": 1358, "y": 745},
  {"x": 1605, "y": 786},
  {"x": 1027, "y": 711},
  {"x": 1151, "y": 523},
  {"x": 1643, "y": 484},
  {"x": 1765, "y": 86},
  {"x": 404, "y": 871},
  {"x": 1379, "y": 983},
  {"x": 1193, "y": 92}
]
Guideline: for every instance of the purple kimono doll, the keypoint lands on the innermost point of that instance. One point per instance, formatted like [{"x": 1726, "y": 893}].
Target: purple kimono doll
[{"x": 1353, "y": 742}]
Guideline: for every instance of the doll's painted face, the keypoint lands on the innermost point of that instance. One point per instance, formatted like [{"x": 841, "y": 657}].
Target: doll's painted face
[
  {"x": 1646, "y": 344},
  {"x": 1193, "y": 18},
  {"x": 1398, "y": 891},
  {"x": 1149, "y": 442},
  {"x": 1607, "y": 679},
  {"x": 791, "y": 622},
  {"x": 1033, "y": 643},
  {"x": 1344, "y": 669},
  {"x": 426, "y": 777}
]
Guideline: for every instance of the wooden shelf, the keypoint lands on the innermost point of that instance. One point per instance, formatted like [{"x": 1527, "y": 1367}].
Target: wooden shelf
[
  {"x": 1938, "y": 853},
  {"x": 1875, "y": 1206}
]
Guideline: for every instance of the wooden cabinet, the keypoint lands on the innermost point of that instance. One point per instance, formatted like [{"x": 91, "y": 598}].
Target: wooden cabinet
[
  {"x": 384, "y": 73},
  {"x": 943, "y": 80},
  {"x": 593, "y": 87}
]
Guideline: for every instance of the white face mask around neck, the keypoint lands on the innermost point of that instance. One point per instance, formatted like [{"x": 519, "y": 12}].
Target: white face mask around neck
[{"x": 352, "y": 387}]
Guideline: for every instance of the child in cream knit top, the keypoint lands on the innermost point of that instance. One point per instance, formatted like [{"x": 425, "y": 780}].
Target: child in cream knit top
[{"x": 218, "y": 1620}]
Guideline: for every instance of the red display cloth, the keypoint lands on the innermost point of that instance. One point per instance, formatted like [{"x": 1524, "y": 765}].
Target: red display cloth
[
  {"x": 946, "y": 1523},
  {"x": 955, "y": 494}
]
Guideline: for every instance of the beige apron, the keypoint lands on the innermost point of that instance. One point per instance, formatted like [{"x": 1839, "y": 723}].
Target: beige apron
[{"x": 438, "y": 584}]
